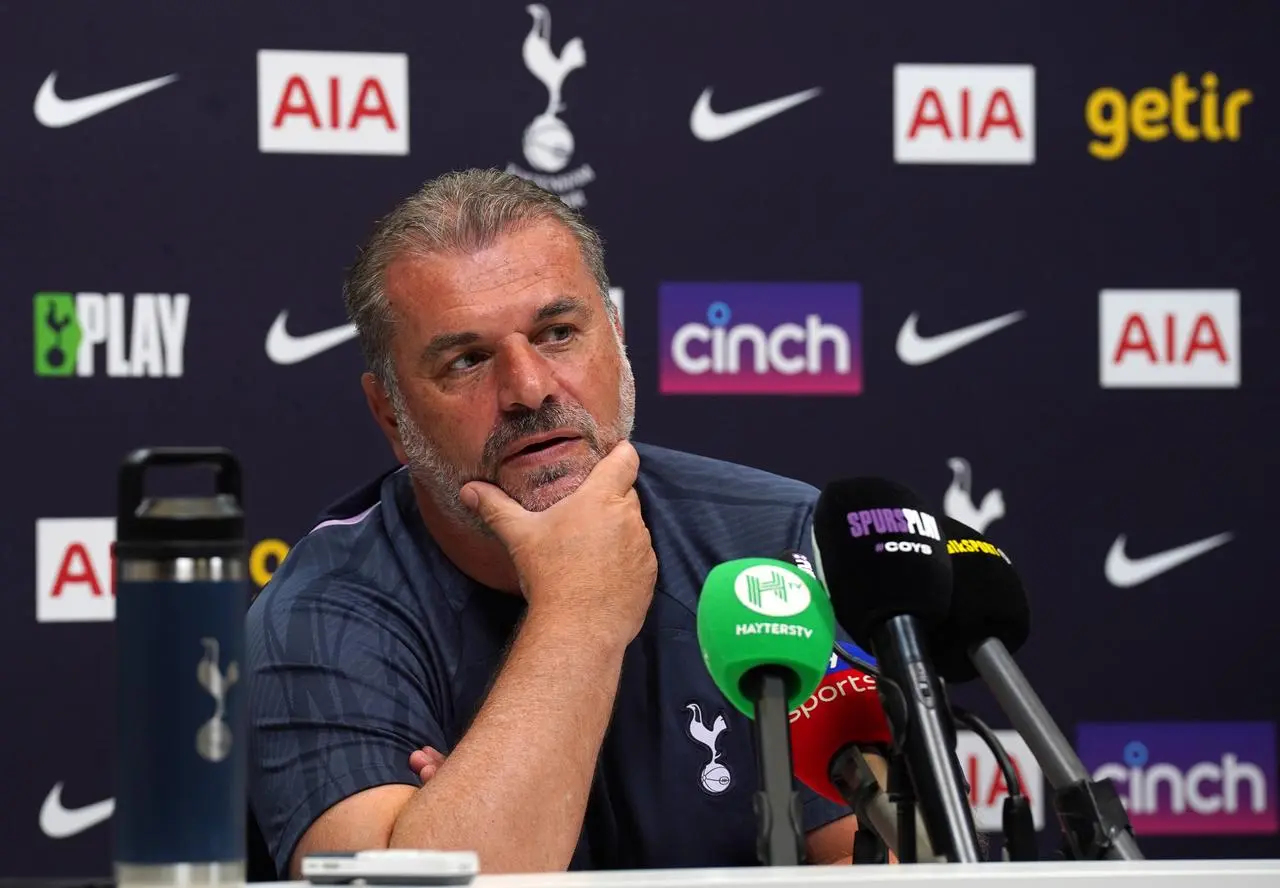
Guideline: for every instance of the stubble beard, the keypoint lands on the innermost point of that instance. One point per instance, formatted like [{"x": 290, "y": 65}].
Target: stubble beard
[{"x": 442, "y": 479}]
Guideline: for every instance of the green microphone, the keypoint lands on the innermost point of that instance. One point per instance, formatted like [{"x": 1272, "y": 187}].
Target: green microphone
[{"x": 766, "y": 630}]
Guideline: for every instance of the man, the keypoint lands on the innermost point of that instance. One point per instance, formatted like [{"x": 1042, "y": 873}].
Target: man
[{"x": 493, "y": 648}]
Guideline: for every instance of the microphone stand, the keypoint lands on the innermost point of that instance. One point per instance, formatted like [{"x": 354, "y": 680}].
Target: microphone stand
[
  {"x": 1094, "y": 822},
  {"x": 868, "y": 847},
  {"x": 901, "y": 794},
  {"x": 777, "y": 804}
]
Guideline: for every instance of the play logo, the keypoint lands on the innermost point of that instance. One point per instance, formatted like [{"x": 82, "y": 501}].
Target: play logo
[
  {"x": 760, "y": 338},
  {"x": 1188, "y": 778}
]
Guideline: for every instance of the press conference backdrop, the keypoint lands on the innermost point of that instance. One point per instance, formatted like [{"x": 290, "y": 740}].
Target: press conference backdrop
[{"x": 1016, "y": 255}]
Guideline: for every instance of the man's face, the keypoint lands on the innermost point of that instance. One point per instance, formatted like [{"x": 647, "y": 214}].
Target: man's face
[{"x": 509, "y": 369}]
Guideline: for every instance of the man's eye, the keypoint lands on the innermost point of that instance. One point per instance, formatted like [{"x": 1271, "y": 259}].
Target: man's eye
[
  {"x": 558, "y": 333},
  {"x": 466, "y": 361}
]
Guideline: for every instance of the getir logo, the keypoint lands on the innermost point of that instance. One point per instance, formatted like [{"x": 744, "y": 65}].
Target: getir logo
[
  {"x": 1169, "y": 338},
  {"x": 333, "y": 102},
  {"x": 1152, "y": 115},
  {"x": 760, "y": 338},
  {"x": 1193, "y": 778},
  {"x": 75, "y": 571},
  {"x": 143, "y": 335},
  {"x": 987, "y": 785},
  {"x": 964, "y": 114}
]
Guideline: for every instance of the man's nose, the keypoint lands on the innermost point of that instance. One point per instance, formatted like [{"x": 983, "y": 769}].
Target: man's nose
[{"x": 524, "y": 376}]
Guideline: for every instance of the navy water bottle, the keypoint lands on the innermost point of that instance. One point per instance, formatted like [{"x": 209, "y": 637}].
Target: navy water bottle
[{"x": 181, "y": 597}]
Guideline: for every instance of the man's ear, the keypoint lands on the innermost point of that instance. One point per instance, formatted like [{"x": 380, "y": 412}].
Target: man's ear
[{"x": 379, "y": 401}]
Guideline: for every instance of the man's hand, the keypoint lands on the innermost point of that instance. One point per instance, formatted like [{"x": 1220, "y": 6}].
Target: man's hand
[
  {"x": 588, "y": 560},
  {"x": 425, "y": 762},
  {"x": 827, "y": 845}
]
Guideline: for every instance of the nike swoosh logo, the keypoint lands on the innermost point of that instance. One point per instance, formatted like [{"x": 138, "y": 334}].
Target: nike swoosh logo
[
  {"x": 54, "y": 112},
  {"x": 283, "y": 348},
  {"x": 709, "y": 126},
  {"x": 1123, "y": 571},
  {"x": 58, "y": 822},
  {"x": 915, "y": 349}
]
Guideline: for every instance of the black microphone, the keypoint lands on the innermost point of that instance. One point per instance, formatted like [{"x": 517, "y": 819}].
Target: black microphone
[
  {"x": 989, "y": 617},
  {"x": 884, "y": 561}
]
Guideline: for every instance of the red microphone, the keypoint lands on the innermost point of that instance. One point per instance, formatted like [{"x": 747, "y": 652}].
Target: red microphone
[
  {"x": 842, "y": 730},
  {"x": 844, "y": 709}
]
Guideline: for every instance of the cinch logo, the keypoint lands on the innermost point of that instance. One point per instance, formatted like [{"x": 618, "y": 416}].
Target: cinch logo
[
  {"x": 1153, "y": 114},
  {"x": 1193, "y": 778},
  {"x": 333, "y": 102},
  {"x": 1169, "y": 338},
  {"x": 964, "y": 114},
  {"x": 869, "y": 521},
  {"x": 75, "y": 571},
  {"x": 149, "y": 341},
  {"x": 762, "y": 339},
  {"x": 987, "y": 786}
]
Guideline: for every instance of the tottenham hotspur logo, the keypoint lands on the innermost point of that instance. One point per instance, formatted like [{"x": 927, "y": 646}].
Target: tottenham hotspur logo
[
  {"x": 715, "y": 776},
  {"x": 548, "y": 142},
  {"x": 213, "y": 740}
]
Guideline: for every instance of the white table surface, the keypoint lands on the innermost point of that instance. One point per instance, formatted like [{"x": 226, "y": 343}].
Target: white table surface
[{"x": 1122, "y": 874}]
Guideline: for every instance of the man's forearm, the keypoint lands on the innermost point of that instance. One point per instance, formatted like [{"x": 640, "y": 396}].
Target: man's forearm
[{"x": 515, "y": 788}]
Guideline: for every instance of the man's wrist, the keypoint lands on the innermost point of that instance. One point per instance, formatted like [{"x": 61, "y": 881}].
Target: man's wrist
[{"x": 570, "y": 632}]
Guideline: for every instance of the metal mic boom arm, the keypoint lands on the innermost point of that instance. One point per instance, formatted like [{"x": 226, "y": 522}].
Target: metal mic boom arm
[{"x": 1094, "y": 822}]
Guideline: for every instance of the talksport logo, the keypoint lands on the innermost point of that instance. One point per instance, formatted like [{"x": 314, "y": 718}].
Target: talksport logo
[
  {"x": 760, "y": 338},
  {"x": 141, "y": 336},
  {"x": 1188, "y": 778}
]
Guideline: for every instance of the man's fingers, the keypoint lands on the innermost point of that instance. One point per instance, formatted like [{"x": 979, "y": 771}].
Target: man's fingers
[
  {"x": 425, "y": 762},
  {"x": 616, "y": 473},
  {"x": 494, "y": 507},
  {"x": 421, "y": 758}
]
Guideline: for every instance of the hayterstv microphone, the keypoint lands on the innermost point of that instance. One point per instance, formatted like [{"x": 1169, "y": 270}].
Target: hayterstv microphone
[
  {"x": 989, "y": 616},
  {"x": 884, "y": 561},
  {"x": 766, "y": 630},
  {"x": 840, "y": 737}
]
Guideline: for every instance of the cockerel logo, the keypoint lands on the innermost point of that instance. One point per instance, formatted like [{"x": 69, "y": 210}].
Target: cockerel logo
[
  {"x": 213, "y": 740},
  {"x": 715, "y": 776},
  {"x": 548, "y": 143}
]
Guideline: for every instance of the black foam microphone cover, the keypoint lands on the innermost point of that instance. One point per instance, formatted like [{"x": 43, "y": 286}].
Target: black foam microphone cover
[
  {"x": 881, "y": 553},
  {"x": 987, "y": 601}
]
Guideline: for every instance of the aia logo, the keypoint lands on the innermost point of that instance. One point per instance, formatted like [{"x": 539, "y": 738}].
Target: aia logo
[
  {"x": 987, "y": 785},
  {"x": 1169, "y": 338},
  {"x": 75, "y": 575},
  {"x": 964, "y": 114},
  {"x": 333, "y": 102}
]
